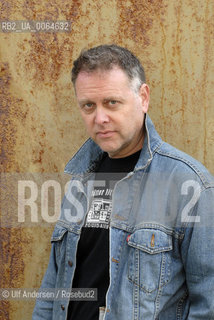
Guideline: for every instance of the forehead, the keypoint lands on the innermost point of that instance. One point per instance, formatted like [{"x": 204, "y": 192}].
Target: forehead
[{"x": 99, "y": 79}]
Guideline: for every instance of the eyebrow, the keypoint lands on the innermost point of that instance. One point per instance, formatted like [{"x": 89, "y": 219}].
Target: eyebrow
[
  {"x": 116, "y": 98},
  {"x": 84, "y": 101}
]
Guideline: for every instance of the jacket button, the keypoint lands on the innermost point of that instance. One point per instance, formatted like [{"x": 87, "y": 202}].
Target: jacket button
[
  {"x": 62, "y": 307},
  {"x": 70, "y": 263}
]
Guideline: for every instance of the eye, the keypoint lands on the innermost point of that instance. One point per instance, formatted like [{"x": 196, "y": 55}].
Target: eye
[
  {"x": 112, "y": 102},
  {"x": 88, "y": 107}
]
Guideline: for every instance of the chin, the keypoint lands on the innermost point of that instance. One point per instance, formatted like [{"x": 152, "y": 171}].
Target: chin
[{"x": 107, "y": 149}]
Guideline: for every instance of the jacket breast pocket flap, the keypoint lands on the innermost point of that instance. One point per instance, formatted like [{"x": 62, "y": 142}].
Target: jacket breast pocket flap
[{"x": 149, "y": 258}]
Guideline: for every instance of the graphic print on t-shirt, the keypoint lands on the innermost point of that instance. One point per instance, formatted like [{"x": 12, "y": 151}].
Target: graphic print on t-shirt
[{"x": 100, "y": 210}]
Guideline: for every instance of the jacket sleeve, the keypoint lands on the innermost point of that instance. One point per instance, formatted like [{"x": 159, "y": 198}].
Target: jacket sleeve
[
  {"x": 198, "y": 255},
  {"x": 44, "y": 308}
]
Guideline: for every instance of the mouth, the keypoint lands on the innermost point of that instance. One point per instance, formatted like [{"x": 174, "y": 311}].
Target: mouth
[{"x": 105, "y": 134}]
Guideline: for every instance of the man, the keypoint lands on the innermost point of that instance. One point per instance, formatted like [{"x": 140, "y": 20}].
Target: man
[{"x": 137, "y": 221}]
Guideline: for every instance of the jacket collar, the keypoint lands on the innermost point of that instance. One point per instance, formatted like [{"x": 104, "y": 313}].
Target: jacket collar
[{"x": 89, "y": 155}]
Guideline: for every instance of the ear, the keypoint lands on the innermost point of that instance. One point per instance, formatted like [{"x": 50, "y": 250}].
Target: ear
[{"x": 144, "y": 94}]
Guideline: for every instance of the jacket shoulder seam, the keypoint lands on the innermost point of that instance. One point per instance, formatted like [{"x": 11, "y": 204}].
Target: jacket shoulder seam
[{"x": 194, "y": 168}]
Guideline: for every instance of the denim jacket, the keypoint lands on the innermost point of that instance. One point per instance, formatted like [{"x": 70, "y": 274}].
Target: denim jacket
[{"x": 161, "y": 236}]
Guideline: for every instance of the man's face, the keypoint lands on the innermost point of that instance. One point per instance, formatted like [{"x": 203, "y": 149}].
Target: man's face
[{"x": 112, "y": 112}]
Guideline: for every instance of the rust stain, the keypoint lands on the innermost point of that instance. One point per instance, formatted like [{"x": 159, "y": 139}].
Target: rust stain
[
  {"x": 33, "y": 10},
  {"x": 44, "y": 59},
  {"x": 137, "y": 18},
  {"x": 71, "y": 10},
  {"x": 54, "y": 10},
  {"x": 40, "y": 60},
  {"x": 4, "y": 305},
  {"x": 162, "y": 75},
  {"x": 4, "y": 310},
  {"x": 177, "y": 52},
  {"x": 5, "y": 9},
  {"x": 47, "y": 54},
  {"x": 11, "y": 267},
  {"x": 207, "y": 54},
  {"x": 12, "y": 111}
]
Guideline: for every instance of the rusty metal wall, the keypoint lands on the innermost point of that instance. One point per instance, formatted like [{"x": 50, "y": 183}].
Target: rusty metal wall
[{"x": 40, "y": 124}]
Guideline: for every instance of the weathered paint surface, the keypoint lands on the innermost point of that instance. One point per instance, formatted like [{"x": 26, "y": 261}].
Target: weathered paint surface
[{"x": 40, "y": 124}]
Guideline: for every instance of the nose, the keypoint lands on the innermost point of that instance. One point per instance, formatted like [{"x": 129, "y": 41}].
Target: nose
[{"x": 101, "y": 115}]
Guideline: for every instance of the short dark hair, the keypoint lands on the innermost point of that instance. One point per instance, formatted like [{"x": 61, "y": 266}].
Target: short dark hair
[{"x": 106, "y": 57}]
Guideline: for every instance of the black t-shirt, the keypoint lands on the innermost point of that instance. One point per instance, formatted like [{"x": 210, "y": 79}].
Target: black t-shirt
[{"x": 92, "y": 265}]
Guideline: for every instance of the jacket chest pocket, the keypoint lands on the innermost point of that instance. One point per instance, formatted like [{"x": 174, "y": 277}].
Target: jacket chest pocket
[{"x": 149, "y": 260}]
